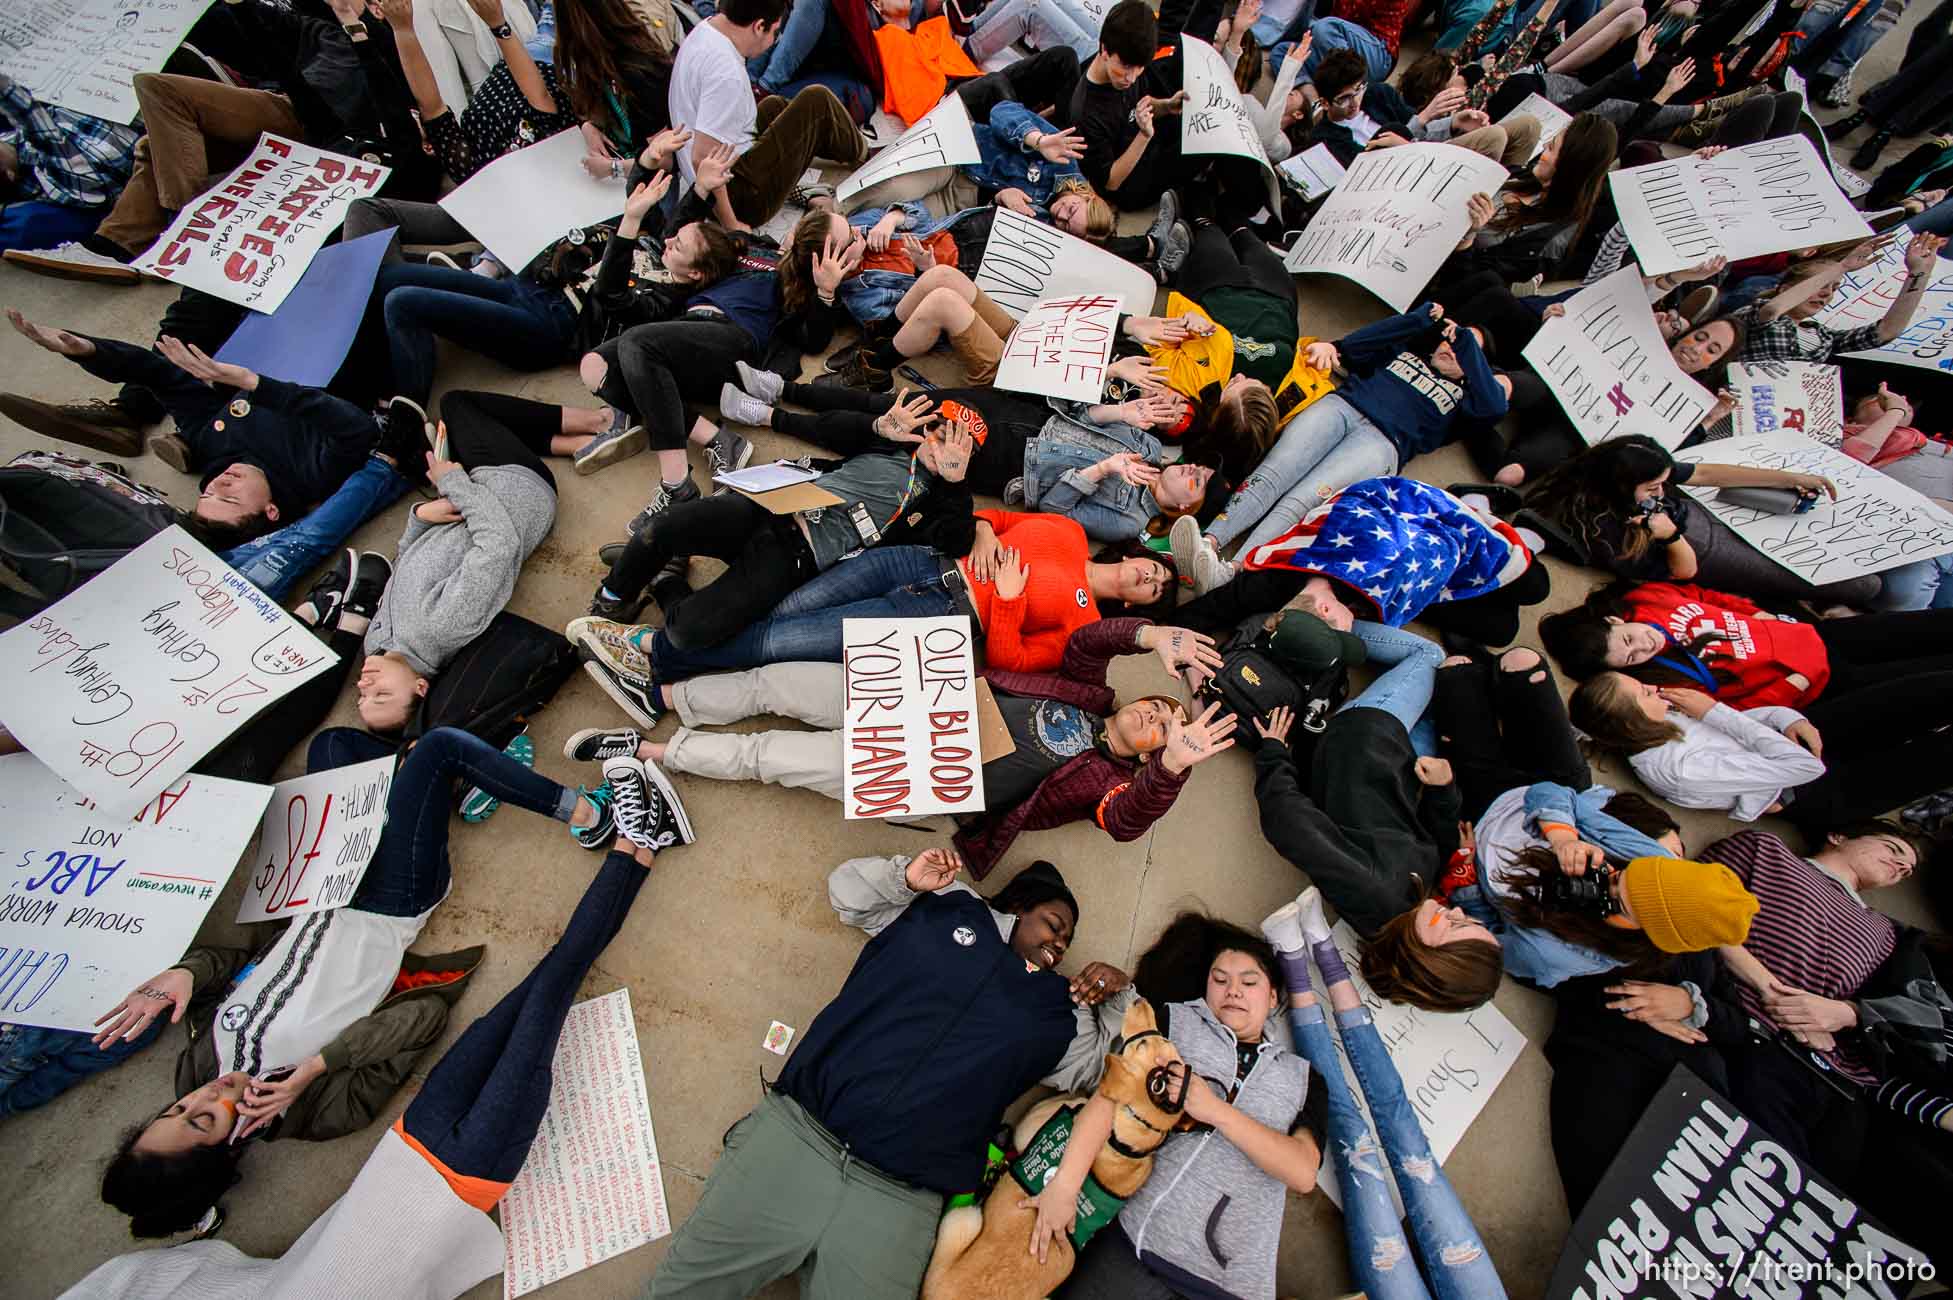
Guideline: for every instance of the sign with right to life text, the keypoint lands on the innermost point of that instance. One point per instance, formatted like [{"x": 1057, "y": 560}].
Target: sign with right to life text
[
  {"x": 1062, "y": 347},
  {"x": 942, "y": 137},
  {"x": 93, "y": 904},
  {"x": 1026, "y": 260},
  {"x": 910, "y": 741},
  {"x": 320, "y": 833}
]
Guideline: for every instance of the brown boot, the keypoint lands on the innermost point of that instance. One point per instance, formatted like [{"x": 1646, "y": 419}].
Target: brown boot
[
  {"x": 98, "y": 425},
  {"x": 172, "y": 451},
  {"x": 1001, "y": 322},
  {"x": 979, "y": 348}
]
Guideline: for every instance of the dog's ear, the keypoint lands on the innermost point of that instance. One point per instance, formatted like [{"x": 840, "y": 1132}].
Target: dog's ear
[
  {"x": 1139, "y": 1019},
  {"x": 1121, "y": 1079}
]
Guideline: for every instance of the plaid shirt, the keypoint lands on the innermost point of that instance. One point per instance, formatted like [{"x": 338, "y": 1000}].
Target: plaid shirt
[
  {"x": 1784, "y": 339},
  {"x": 67, "y": 158}
]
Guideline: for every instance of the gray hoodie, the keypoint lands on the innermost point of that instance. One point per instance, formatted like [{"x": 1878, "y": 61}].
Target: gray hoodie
[{"x": 449, "y": 580}]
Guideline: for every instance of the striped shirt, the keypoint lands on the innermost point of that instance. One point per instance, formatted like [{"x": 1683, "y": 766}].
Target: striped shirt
[{"x": 1810, "y": 931}]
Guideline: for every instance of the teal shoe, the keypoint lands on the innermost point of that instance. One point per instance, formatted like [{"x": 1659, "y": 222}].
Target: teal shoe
[
  {"x": 479, "y": 805},
  {"x": 597, "y": 835}
]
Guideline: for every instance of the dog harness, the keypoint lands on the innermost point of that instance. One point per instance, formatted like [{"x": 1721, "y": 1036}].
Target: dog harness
[{"x": 1039, "y": 1164}]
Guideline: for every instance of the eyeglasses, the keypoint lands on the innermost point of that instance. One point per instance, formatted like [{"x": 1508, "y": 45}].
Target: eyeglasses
[{"x": 1349, "y": 98}]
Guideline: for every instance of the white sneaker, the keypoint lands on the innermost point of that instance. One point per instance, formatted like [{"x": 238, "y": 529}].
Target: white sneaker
[
  {"x": 1197, "y": 558},
  {"x": 1308, "y": 912},
  {"x": 73, "y": 262},
  {"x": 1283, "y": 929},
  {"x": 742, "y": 408},
  {"x": 763, "y": 384}
]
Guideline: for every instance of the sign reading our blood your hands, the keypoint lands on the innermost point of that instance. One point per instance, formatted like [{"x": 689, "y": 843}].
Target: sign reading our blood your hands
[
  {"x": 910, "y": 738},
  {"x": 1062, "y": 347}
]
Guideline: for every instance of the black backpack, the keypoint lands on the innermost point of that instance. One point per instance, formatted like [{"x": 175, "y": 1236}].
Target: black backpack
[
  {"x": 1253, "y": 681},
  {"x": 498, "y": 682}
]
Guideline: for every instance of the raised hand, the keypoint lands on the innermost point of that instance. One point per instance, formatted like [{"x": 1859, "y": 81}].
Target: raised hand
[
  {"x": 932, "y": 869},
  {"x": 55, "y": 340},
  {"x": 900, "y": 421},
  {"x": 1149, "y": 375},
  {"x": 712, "y": 167},
  {"x": 1644, "y": 46},
  {"x": 919, "y": 253},
  {"x": 646, "y": 197},
  {"x": 1180, "y": 648},
  {"x": 954, "y": 445},
  {"x": 1193, "y": 742},
  {"x": 190, "y": 359},
  {"x": 1280, "y": 719},
  {"x": 1678, "y": 76},
  {"x": 835, "y": 263},
  {"x": 664, "y": 146},
  {"x": 1061, "y": 146},
  {"x": 1142, "y": 116},
  {"x": 1921, "y": 252}
]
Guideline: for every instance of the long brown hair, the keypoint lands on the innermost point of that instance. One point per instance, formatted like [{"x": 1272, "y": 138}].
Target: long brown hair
[
  {"x": 796, "y": 269},
  {"x": 1400, "y": 967},
  {"x": 602, "y": 45},
  {"x": 1587, "y": 149},
  {"x": 1605, "y": 712},
  {"x": 1526, "y": 877}
]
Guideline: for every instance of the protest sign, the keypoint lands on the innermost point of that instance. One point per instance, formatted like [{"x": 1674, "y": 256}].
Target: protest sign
[
  {"x": 1607, "y": 364},
  {"x": 1026, "y": 260},
  {"x": 1702, "y": 1203},
  {"x": 1061, "y": 348},
  {"x": 1797, "y": 395},
  {"x": 1395, "y": 218},
  {"x": 941, "y": 138},
  {"x": 319, "y": 834},
  {"x": 307, "y": 337},
  {"x": 1450, "y": 1062},
  {"x": 1744, "y": 202},
  {"x": 83, "y": 55},
  {"x": 1551, "y": 117},
  {"x": 910, "y": 734},
  {"x": 1214, "y": 120},
  {"x": 121, "y": 685},
  {"x": 1866, "y": 295},
  {"x": 92, "y": 904},
  {"x": 592, "y": 1187},
  {"x": 525, "y": 201},
  {"x": 1314, "y": 171},
  {"x": 249, "y": 240},
  {"x": 1877, "y": 523}
]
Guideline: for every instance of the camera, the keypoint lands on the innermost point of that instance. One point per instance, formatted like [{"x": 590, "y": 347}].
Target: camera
[{"x": 1592, "y": 893}]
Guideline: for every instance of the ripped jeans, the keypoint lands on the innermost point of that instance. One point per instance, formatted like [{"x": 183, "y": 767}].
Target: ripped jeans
[{"x": 1379, "y": 1257}]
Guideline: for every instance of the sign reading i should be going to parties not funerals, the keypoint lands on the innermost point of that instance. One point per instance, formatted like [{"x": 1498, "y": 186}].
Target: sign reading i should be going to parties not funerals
[{"x": 911, "y": 744}]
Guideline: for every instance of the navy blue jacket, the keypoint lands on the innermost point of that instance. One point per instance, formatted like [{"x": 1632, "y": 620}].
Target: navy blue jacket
[{"x": 1392, "y": 383}]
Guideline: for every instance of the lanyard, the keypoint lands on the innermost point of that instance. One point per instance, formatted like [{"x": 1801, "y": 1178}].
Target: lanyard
[{"x": 1686, "y": 662}]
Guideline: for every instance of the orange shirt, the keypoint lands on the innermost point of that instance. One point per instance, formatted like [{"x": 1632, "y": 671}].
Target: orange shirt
[
  {"x": 917, "y": 66},
  {"x": 1028, "y": 633}
]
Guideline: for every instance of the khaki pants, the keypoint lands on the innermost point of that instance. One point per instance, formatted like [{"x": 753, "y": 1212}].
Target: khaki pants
[
  {"x": 791, "y": 135},
  {"x": 1511, "y": 144},
  {"x": 197, "y": 132},
  {"x": 803, "y": 760}
]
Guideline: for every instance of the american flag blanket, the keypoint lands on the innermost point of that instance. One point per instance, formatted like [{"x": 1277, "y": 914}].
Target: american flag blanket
[{"x": 1400, "y": 545}]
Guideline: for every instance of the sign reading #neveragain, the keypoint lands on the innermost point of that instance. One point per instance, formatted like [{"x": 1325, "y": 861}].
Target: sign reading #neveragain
[
  {"x": 1702, "y": 1203},
  {"x": 1026, "y": 260},
  {"x": 1744, "y": 202},
  {"x": 941, "y": 138},
  {"x": 1062, "y": 347},
  {"x": 910, "y": 739},
  {"x": 319, "y": 835},
  {"x": 83, "y": 55},
  {"x": 121, "y": 685},
  {"x": 93, "y": 904},
  {"x": 249, "y": 239},
  {"x": 1866, "y": 295}
]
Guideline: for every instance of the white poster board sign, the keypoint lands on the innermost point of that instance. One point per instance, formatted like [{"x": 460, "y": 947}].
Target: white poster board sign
[
  {"x": 592, "y": 1187},
  {"x": 1795, "y": 395},
  {"x": 1062, "y": 347},
  {"x": 92, "y": 904},
  {"x": 1315, "y": 171},
  {"x": 940, "y": 138},
  {"x": 1551, "y": 117},
  {"x": 525, "y": 201},
  {"x": 1451, "y": 1062},
  {"x": 83, "y": 55},
  {"x": 1866, "y": 295},
  {"x": 121, "y": 685},
  {"x": 1877, "y": 523},
  {"x": 319, "y": 834},
  {"x": 1744, "y": 202},
  {"x": 249, "y": 239},
  {"x": 1395, "y": 218},
  {"x": 910, "y": 735},
  {"x": 1607, "y": 364},
  {"x": 1026, "y": 260}
]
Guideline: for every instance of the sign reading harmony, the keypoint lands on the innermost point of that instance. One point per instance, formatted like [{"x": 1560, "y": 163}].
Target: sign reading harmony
[
  {"x": 1061, "y": 347},
  {"x": 1026, "y": 260},
  {"x": 319, "y": 835},
  {"x": 910, "y": 735}
]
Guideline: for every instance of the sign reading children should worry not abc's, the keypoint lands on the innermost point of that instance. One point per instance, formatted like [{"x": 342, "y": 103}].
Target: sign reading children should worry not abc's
[
  {"x": 1702, "y": 1203},
  {"x": 121, "y": 685},
  {"x": 910, "y": 740},
  {"x": 250, "y": 238},
  {"x": 319, "y": 834},
  {"x": 1062, "y": 347},
  {"x": 1026, "y": 260},
  {"x": 93, "y": 904}
]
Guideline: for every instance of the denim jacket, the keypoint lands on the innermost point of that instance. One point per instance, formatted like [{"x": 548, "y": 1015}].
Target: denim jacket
[
  {"x": 1111, "y": 510},
  {"x": 1007, "y": 163},
  {"x": 872, "y": 295}
]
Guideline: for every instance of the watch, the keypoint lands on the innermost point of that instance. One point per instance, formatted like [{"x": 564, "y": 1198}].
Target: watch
[
  {"x": 503, "y": 31},
  {"x": 355, "y": 30}
]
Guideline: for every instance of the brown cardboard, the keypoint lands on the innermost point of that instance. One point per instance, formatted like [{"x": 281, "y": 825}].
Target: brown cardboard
[
  {"x": 792, "y": 500},
  {"x": 993, "y": 737}
]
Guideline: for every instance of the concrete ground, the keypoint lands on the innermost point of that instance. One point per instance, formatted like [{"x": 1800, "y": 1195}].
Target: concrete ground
[{"x": 735, "y": 932}]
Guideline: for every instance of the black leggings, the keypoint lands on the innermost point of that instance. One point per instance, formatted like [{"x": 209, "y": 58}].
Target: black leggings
[
  {"x": 254, "y": 751},
  {"x": 652, "y": 370},
  {"x": 1543, "y": 436},
  {"x": 1492, "y": 618},
  {"x": 1244, "y": 261},
  {"x": 766, "y": 559},
  {"x": 843, "y": 420},
  {"x": 497, "y": 429},
  {"x": 1502, "y": 729},
  {"x": 1042, "y": 82},
  {"x": 1766, "y": 117},
  {"x": 1886, "y": 743}
]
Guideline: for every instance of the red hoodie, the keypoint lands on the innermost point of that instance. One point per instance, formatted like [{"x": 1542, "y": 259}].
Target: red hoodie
[{"x": 1760, "y": 649}]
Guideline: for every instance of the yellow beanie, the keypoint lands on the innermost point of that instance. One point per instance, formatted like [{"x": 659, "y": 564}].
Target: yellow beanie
[{"x": 1685, "y": 906}]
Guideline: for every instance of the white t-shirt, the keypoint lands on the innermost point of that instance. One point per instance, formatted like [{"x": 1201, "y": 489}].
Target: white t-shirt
[{"x": 711, "y": 93}]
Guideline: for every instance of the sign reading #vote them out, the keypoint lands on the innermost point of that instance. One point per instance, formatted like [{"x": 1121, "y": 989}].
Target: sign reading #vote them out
[{"x": 910, "y": 740}]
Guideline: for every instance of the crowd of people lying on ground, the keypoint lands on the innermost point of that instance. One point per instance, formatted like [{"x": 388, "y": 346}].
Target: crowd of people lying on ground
[{"x": 1241, "y": 487}]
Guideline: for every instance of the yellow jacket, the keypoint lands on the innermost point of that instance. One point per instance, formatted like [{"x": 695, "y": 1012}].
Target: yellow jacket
[{"x": 1193, "y": 365}]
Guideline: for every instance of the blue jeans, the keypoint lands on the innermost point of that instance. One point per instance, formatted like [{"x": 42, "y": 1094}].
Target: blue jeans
[
  {"x": 1924, "y": 584},
  {"x": 510, "y": 320},
  {"x": 881, "y": 582},
  {"x": 272, "y": 563},
  {"x": 37, "y": 1065},
  {"x": 1341, "y": 34},
  {"x": 1042, "y": 24},
  {"x": 1857, "y": 39},
  {"x": 410, "y": 873},
  {"x": 1379, "y": 1258},
  {"x": 32, "y": 224},
  {"x": 483, "y": 1101},
  {"x": 542, "y": 46},
  {"x": 1323, "y": 450},
  {"x": 1936, "y": 220},
  {"x": 806, "y": 20},
  {"x": 1403, "y": 689}
]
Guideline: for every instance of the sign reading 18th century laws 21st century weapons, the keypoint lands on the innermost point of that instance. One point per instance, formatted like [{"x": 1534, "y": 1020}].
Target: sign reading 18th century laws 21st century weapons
[
  {"x": 122, "y": 685},
  {"x": 319, "y": 835},
  {"x": 1744, "y": 202},
  {"x": 93, "y": 904},
  {"x": 910, "y": 740}
]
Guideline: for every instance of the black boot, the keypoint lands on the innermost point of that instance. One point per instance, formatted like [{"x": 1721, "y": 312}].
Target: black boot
[
  {"x": 1844, "y": 126},
  {"x": 1867, "y": 156}
]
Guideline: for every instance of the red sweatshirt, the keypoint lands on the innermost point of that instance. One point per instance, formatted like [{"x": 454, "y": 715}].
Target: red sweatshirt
[
  {"x": 1028, "y": 633},
  {"x": 1762, "y": 650}
]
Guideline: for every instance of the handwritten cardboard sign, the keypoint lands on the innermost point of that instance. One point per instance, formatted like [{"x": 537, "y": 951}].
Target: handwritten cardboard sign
[
  {"x": 525, "y": 201},
  {"x": 910, "y": 738},
  {"x": 319, "y": 834},
  {"x": 1877, "y": 523},
  {"x": 92, "y": 904},
  {"x": 1394, "y": 219},
  {"x": 1772, "y": 395},
  {"x": 121, "y": 685},
  {"x": 1866, "y": 295},
  {"x": 592, "y": 1187},
  {"x": 940, "y": 138},
  {"x": 249, "y": 240},
  {"x": 83, "y": 55},
  {"x": 1026, "y": 260},
  {"x": 1744, "y": 202},
  {"x": 1450, "y": 1062},
  {"x": 1551, "y": 117},
  {"x": 1607, "y": 364},
  {"x": 1215, "y": 121},
  {"x": 1703, "y": 1202},
  {"x": 1062, "y": 347}
]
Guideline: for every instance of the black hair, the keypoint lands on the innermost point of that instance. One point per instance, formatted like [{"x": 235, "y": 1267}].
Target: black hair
[
  {"x": 1578, "y": 639},
  {"x": 1641, "y": 813},
  {"x": 1174, "y": 968},
  {"x": 1038, "y": 883},
  {"x": 1130, "y": 33},
  {"x": 1130, "y": 549},
  {"x": 167, "y": 1194},
  {"x": 1338, "y": 71},
  {"x": 1597, "y": 485},
  {"x": 219, "y": 536},
  {"x": 744, "y": 13}
]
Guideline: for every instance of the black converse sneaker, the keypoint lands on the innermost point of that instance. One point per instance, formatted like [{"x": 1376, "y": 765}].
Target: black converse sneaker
[
  {"x": 667, "y": 821},
  {"x": 628, "y": 797},
  {"x": 601, "y": 744}
]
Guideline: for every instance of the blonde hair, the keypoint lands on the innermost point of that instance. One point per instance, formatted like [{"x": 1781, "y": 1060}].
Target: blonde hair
[{"x": 1100, "y": 221}]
